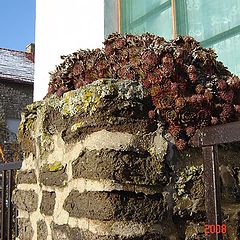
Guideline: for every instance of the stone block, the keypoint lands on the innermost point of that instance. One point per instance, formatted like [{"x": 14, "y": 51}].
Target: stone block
[
  {"x": 194, "y": 231},
  {"x": 122, "y": 116},
  {"x": 230, "y": 188},
  {"x": 25, "y": 229},
  {"x": 65, "y": 232},
  {"x": 120, "y": 166},
  {"x": 42, "y": 231},
  {"x": 91, "y": 108},
  {"x": 26, "y": 200},
  {"x": 115, "y": 205},
  {"x": 56, "y": 177},
  {"x": 48, "y": 203},
  {"x": 28, "y": 177}
]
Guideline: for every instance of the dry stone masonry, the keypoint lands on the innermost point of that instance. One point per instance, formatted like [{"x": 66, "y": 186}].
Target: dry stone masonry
[{"x": 97, "y": 167}]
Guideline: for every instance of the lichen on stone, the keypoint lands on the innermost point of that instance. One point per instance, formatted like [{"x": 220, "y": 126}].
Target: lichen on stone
[
  {"x": 77, "y": 125},
  {"x": 53, "y": 174},
  {"x": 56, "y": 166},
  {"x": 29, "y": 116},
  {"x": 89, "y": 97},
  {"x": 188, "y": 174},
  {"x": 47, "y": 142},
  {"x": 26, "y": 132}
]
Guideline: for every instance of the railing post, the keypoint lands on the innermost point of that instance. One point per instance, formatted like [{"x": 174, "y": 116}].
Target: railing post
[
  {"x": 212, "y": 188},
  {"x": 6, "y": 198},
  {"x": 3, "y": 223},
  {"x": 9, "y": 232},
  {"x": 208, "y": 138}
]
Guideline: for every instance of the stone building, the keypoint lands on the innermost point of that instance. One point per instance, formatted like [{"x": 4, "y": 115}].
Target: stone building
[{"x": 16, "y": 89}]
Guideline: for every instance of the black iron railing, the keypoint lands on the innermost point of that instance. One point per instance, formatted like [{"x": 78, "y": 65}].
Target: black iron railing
[
  {"x": 208, "y": 138},
  {"x": 8, "y": 211}
]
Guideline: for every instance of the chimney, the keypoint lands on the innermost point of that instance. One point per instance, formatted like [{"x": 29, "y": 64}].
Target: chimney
[{"x": 30, "y": 48}]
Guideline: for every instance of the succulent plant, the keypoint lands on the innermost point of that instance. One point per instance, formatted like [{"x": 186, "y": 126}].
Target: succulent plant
[{"x": 188, "y": 86}]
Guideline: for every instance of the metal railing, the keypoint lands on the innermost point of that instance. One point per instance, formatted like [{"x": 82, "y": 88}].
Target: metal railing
[
  {"x": 8, "y": 211},
  {"x": 208, "y": 138}
]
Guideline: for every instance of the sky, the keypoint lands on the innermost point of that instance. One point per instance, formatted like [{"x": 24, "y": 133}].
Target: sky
[{"x": 17, "y": 23}]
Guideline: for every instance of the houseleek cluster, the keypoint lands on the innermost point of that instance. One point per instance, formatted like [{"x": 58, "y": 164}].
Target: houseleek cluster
[{"x": 189, "y": 88}]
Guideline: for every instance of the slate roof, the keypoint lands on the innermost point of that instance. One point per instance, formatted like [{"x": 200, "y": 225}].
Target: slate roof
[{"x": 16, "y": 66}]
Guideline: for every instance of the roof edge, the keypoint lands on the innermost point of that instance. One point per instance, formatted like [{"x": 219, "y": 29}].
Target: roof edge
[
  {"x": 16, "y": 80},
  {"x": 30, "y": 56}
]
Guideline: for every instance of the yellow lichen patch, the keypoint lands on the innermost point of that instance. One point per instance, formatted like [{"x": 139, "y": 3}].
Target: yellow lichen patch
[
  {"x": 67, "y": 96},
  {"x": 91, "y": 100},
  {"x": 29, "y": 123},
  {"x": 93, "y": 104},
  {"x": 76, "y": 126},
  {"x": 25, "y": 134},
  {"x": 152, "y": 151},
  {"x": 56, "y": 166},
  {"x": 87, "y": 97},
  {"x": 20, "y": 129}
]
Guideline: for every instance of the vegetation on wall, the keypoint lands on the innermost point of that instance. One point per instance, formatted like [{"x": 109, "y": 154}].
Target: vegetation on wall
[{"x": 188, "y": 86}]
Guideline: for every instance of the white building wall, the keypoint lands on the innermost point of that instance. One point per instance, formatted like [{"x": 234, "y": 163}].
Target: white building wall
[{"x": 62, "y": 27}]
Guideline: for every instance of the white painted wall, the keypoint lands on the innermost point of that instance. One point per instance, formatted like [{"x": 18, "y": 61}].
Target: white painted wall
[{"x": 62, "y": 27}]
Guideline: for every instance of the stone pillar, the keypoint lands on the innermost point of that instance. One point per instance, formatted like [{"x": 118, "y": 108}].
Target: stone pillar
[
  {"x": 97, "y": 167},
  {"x": 94, "y": 167}
]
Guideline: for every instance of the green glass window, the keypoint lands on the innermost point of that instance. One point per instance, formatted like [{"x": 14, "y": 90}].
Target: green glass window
[
  {"x": 227, "y": 51},
  {"x": 206, "y": 19},
  {"x": 154, "y": 16},
  {"x": 214, "y": 23}
]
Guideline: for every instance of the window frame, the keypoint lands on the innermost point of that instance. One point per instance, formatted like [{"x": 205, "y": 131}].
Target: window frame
[{"x": 179, "y": 21}]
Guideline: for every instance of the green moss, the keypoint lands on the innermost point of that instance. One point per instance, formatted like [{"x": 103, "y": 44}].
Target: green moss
[
  {"x": 26, "y": 130},
  {"x": 87, "y": 99},
  {"x": 54, "y": 167},
  {"x": 184, "y": 203}
]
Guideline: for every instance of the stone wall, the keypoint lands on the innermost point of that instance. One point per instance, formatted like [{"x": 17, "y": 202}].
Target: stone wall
[
  {"x": 14, "y": 97},
  {"x": 2, "y": 122},
  {"x": 96, "y": 167}
]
